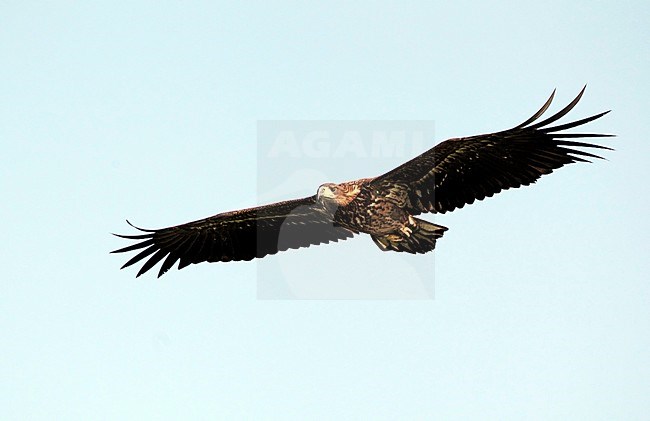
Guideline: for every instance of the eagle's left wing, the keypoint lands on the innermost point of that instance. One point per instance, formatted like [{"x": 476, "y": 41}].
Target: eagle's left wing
[
  {"x": 459, "y": 171},
  {"x": 239, "y": 235}
]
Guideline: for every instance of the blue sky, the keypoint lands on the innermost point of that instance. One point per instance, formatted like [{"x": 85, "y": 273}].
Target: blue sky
[{"x": 149, "y": 111}]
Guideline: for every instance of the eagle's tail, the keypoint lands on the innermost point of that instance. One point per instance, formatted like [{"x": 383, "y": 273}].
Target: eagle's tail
[{"x": 422, "y": 238}]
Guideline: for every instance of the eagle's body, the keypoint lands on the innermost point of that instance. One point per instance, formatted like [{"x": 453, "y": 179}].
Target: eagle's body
[
  {"x": 357, "y": 206},
  {"x": 453, "y": 173},
  {"x": 378, "y": 209}
]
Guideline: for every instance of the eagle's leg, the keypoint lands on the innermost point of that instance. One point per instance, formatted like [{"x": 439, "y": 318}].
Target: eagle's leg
[
  {"x": 415, "y": 236},
  {"x": 410, "y": 225}
]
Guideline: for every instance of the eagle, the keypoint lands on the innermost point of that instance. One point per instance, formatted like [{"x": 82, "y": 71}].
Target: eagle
[{"x": 452, "y": 174}]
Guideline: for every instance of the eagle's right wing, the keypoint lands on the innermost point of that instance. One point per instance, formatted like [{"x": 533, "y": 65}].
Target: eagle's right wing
[
  {"x": 239, "y": 235},
  {"x": 459, "y": 171}
]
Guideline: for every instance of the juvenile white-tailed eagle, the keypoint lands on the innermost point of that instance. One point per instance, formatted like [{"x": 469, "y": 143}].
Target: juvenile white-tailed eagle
[{"x": 452, "y": 174}]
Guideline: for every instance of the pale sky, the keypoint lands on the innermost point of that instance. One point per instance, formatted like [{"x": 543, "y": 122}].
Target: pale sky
[{"x": 150, "y": 111}]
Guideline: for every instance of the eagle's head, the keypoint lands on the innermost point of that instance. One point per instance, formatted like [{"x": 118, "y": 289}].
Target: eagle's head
[
  {"x": 329, "y": 196},
  {"x": 338, "y": 194},
  {"x": 327, "y": 191}
]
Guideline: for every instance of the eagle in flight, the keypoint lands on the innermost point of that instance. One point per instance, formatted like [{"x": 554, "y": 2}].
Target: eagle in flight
[{"x": 448, "y": 176}]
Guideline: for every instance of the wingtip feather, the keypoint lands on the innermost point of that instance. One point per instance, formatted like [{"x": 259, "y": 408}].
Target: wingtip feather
[
  {"x": 564, "y": 111},
  {"x": 138, "y": 228},
  {"x": 539, "y": 112}
]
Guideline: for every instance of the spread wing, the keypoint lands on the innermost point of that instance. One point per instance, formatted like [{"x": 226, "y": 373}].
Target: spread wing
[
  {"x": 239, "y": 235},
  {"x": 461, "y": 170}
]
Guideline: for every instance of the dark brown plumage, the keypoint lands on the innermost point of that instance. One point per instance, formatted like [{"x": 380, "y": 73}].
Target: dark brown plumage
[{"x": 452, "y": 174}]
